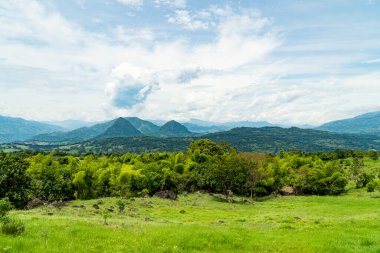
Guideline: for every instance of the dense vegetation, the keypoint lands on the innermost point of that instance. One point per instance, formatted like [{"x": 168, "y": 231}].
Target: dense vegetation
[{"x": 206, "y": 166}]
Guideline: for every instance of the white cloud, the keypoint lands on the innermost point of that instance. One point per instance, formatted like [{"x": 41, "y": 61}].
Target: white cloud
[
  {"x": 205, "y": 80},
  {"x": 171, "y": 3},
  {"x": 183, "y": 17},
  {"x": 131, "y": 2},
  {"x": 130, "y": 85},
  {"x": 132, "y": 35},
  {"x": 53, "y": 69}
]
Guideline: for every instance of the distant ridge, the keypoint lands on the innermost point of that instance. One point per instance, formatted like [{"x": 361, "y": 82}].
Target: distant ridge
[
  {"x": 201, "y": 126},
  {"x": 77, "y": 135},
  {"x": 17, "y": 129},
  {"x": 120, "y": 128},
  {"x": 368, "y": 123}
]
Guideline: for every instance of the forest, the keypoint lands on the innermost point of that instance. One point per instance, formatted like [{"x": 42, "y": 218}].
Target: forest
[{"x": 206, "y": 166}]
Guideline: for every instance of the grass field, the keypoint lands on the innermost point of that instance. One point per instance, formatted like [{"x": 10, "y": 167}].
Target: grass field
[{"x": 348, "y": 223}]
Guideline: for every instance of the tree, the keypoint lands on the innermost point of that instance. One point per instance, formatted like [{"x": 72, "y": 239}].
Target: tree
[
  {"x": 14, "y": 182},
  {"x": 255, "y": 167}
]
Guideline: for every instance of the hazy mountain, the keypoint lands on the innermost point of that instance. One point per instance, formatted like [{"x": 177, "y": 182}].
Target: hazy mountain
[
  {"x": 201, "y": 126},
  {"x": 77, "y": 135},
  {"x": 174, "y": 129},
  {"x": 144, "y": 126},
  {"x": 204, "y": 129},
  {"x": 120, "y": 128},
  {"x": 16, "y": 129},
  {"x": 202, "y": 123},
  {"x": 368, "y": 123},
  {"x": 72, "y": 124},
  {"x": 234, "y": 124}
]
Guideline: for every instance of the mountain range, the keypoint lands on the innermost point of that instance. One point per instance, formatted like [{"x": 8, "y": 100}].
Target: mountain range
[
  {"x": 132, "y": 134},
  {"x": 368, "y": 123},
  {"x": 17, "y": 129},
  {"x": 120, "y": 127},
  {"x": 266, "y": 139}
]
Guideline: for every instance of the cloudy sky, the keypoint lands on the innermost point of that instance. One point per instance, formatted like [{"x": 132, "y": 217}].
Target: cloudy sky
[{"x": 292, "y": 62}]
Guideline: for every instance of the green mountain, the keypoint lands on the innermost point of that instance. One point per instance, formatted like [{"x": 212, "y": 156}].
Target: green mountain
[
  {"x": 144, "y": 126},
  {"x": 368, "y": 123},
  {"x": 266, "y": 139},
  {"x": 173, "y": 129},
  {"x": 120, "y": 128},
  {"x": 275, "y": 139},
  {"x": 86, "y": 133},
  {"x": 17, "y": 129}
]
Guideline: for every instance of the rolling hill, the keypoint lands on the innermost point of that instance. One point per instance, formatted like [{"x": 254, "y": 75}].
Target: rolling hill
[
  {"x": 17, "y": 129},
  {"x": 368, "y": 123}
]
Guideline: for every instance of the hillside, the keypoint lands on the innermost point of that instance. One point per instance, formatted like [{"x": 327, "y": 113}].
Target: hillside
[
  {"x": 144, "y": 126},
  {"x": 120, "y": 128},
  {"x": 173, "y": 129},
  {"x": 368, "y": 123},
  {"x": 17, "y": 129}
]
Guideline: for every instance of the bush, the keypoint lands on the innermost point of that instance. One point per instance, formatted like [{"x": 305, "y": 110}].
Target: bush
[
  {"x": 13, "y": 227},
  {"x": 120, "y": 205},
  {"x": 371, "y": 186},
  {"x": 5, "y": 207}
]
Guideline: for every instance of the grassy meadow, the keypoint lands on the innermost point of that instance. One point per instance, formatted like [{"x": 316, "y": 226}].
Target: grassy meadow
[{"x": 204, "y": 223}]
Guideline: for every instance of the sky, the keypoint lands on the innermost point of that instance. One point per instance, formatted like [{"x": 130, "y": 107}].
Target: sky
[{"x": 287, "y": 62}]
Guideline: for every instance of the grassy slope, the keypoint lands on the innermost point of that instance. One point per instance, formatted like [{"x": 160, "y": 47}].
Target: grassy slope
[{"x": 348, "y": 223}]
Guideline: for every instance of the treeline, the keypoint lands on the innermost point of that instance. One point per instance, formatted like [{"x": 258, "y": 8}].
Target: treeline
[{"x": 207, "y": 166}]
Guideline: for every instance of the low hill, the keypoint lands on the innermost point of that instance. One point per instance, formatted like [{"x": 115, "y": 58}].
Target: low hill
[
  {"x": 120, "y": 128},
  {"x": 17, "y": 129},
  {"x": 173, "y": 129},
  {"x": 368, "y": 123}
]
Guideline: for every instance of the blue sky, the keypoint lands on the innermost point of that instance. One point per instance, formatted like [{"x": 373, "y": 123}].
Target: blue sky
[{"x": 290, "y": 62}]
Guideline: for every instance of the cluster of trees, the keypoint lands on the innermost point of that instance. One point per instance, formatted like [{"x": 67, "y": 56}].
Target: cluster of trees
[{"x": 208, "y": 166}]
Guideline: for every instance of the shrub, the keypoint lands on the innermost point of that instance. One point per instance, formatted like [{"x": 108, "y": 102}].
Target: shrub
[
  {"x": 371, "y": 186},
  {"x": 5, "y": 207},
  {"x": 120, "y": 205},
  {"x": 105, "y": 215},
  {"x": 13, "y": 227}
]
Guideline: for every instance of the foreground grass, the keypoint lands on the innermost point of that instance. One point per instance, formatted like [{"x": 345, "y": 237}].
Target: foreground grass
[{"x": 200, "y": 223}]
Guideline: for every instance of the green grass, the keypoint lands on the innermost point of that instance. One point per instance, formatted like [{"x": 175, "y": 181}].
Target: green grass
[{"x": 348, "y": 223}]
